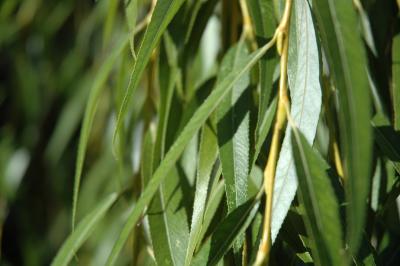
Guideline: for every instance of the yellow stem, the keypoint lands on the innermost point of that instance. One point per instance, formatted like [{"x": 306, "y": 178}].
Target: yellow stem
[
  {"x": 334, "y": 151},
  {"x": 338, "y": 160},
  {"x": 282, "y": 35},
  {"x": 247, "y": 26},
  {"x": 141, "y": 26}
]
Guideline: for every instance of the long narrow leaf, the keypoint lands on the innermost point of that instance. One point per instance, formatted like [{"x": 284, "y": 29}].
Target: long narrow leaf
[
  {"x": 198, "y": 119},
  {"x": 320, "y": 203},
  {"x": 396, "y": 80},
  {"x": 346, "y": 57},
  {"x": 233, "y": 130},
  {"x": 226, "y": 232},
  {"x": 162, "y": 15},
  {"x": 207, "y": 156},
  {"x": 305, "y": 94},
  {"x": 82, "y": 232},
  {"x": 90, "y": 112}
]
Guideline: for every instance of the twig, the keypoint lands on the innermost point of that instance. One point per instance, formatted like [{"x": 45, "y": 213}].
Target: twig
[{"x": 282, "y": 38}]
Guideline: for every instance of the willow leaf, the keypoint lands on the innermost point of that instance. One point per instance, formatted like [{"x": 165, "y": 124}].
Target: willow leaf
[
  {"x": 263, "y": 19},
  {"x": 82, "y": 232},
  {"x": 197, "y": 120},
  {"x": 320, "y": 203},
  {"x": 338, "y": 23},
  {"x": 90, "y": 112},
  {"x": 162, "y": 15},
  {"x": 168, "y": 220},
  {"x": 226, "y": 233},
  {"x": 396, "y": 80},
  {"x": 233, "y": 130},
  {"x": 388, "y": 139},
  {"x": 207, "y": 157},
  {"x": 213, "y": 202},
  {"x": 305, "y": 94}
]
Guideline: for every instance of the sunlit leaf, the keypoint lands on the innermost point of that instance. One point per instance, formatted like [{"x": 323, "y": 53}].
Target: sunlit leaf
[
  {"x": 207, "y": 157},
  {"x": 305, "y": 94},
  {"x": 198, "y": 119}
]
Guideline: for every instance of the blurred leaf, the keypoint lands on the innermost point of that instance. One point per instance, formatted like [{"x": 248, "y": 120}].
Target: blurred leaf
[
  {"x": 112, "y": 9},
  {"x": 197, "y": 120},
  {"x": 207, "y": 157},
  {"x": 90, "y": 111},
  {"x": 320, "y": 203},
  {"x": 346, "y": 57},
  {"x": 305, "y": 93},
  {"x": 396, "y": 80},
  {"x": 82, "y": 232},
  {"x": 67, "y": 122},
  {"x": 162, "y": 15},
  {"x": 366, "y": 27}
]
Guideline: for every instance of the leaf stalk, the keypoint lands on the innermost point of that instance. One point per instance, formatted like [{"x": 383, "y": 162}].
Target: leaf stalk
[{"x": 282, "y": 43}]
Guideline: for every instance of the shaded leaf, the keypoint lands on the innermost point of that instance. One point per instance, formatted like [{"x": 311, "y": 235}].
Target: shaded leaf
[
  {"x": 388, "y": 139},
  {"x": 346, "y": 57},
  {"x": 233, "y": 130},
  {"x": 396, "y": 80},
  {"x": 320, "y": 203},
  {"x": 162, "y": 15},
  {"x": 262, "y": 16},
  {"x": 226, "y": 232}
]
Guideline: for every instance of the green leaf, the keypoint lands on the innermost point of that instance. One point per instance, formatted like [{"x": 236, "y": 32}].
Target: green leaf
[
  {"x": 264, "y": 128},
  {"x": 233, "y": 115},
  {"x": 337, "y": 21},
  {"x": 213, "y": 202},
  {"x": 168, "y": 220},
  {"x": 396, "y": 80},
  {"x": 388, "y": 139},
  {"x": 197, "y": 120},
  {"x": 320, "y": 203},
  {"x": 263, "y": 18},
  {"x": 168, "y": 75},
  {"x": 305, "y": 93},
  {"x": 162, "y": 15},
  {"x": 207, "y": 157},
  {"x": 366, "y": 27},
  {"x": 90, "y": 112},
  {"x": 82, "y": 232},
  {"x": 226, "y": 233},
  {"x": 67, "y": 122}
]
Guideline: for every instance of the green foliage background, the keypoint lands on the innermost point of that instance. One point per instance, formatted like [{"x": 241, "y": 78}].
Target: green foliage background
[{"x": 137, "y": 132}]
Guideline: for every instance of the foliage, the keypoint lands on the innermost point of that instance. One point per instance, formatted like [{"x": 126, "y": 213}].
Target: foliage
[{"x": 200, "y": 132}]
